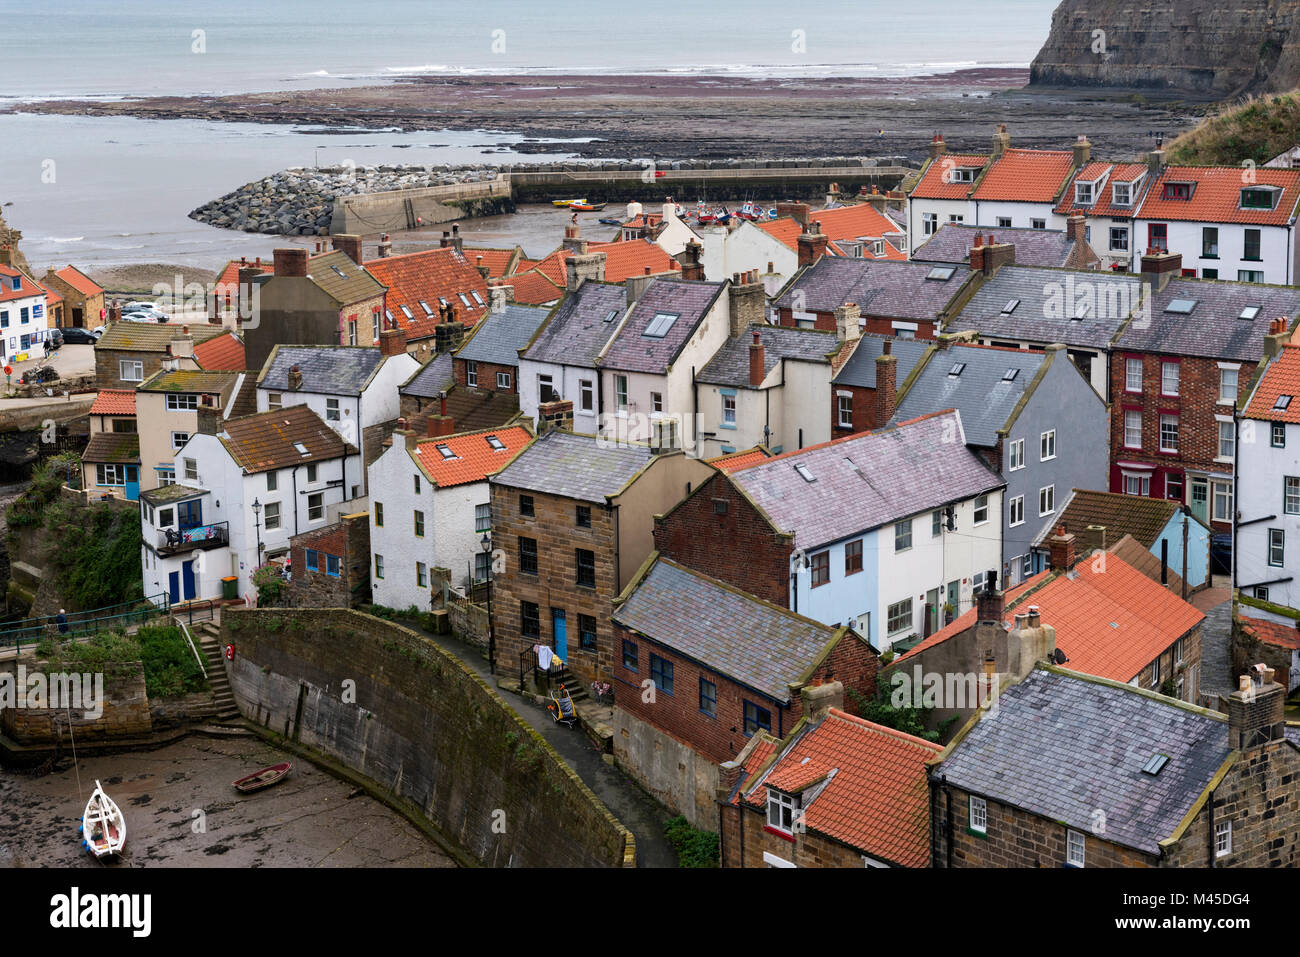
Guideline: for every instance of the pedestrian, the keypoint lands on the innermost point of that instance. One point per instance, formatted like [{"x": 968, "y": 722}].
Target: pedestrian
[
  {"x": 47, "y": 348},
  {"x": 62, "y": 619}
]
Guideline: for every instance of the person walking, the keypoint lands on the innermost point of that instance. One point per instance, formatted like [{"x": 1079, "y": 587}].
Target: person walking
[{"x": 62, "y": 619}]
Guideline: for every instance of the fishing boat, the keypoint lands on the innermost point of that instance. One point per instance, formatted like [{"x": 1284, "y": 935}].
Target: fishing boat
[
  {"x": 103, "y": 828},
  {"x": 263, "y": 778},
  {"x": 610, "y": 221},
  {"x": 752, "y": 212},
  {"x": 587, "y": 207},
  {"x": 562, "y": 203}
]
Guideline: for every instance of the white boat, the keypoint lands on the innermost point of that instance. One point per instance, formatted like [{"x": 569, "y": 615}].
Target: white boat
[{"x": 103, "y": 828}]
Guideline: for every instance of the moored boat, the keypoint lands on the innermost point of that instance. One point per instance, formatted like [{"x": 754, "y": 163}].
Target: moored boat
[
  {"x": 263, "y": 778},
  {"x": 103, "y": 827},
  {"x": 562, "y": 203},
  {"x": 585, "y": 207}
]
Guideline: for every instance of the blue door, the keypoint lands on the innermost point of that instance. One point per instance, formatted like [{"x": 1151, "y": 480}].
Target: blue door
[
  {"x": 561, "y": 641},
  {"x": 133, "y": 482},
  {"x": 187, "y": 578},
  {"x": 190, "y": 514},
  {"x": 174, "y": 587}
]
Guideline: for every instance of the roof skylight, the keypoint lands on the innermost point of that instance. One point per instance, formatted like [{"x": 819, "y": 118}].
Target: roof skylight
[{"x": 659, "y": 325}]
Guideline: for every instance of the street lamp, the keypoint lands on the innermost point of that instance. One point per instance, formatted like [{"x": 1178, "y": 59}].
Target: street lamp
[
  {"x": 486, "y": 542},
  {"x": 257, "y": 524}
]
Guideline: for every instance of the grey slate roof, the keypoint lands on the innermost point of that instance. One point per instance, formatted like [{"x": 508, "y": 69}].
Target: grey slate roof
[
  {"x": 860, "y": 370},
  {"x": 899, "y": 472},
  {"x": 730, "y": 364},
  {"x": 690, "y": 301},
  {"x": 577, "y": 330},
  {"x": 1034, "y": 247},
  {"x": 1065, "y": 747},
  {"x": 734, "y": 634},
  {"x": 984, "y": 400},
  {"x": 499, "y": 336},
  {"x": 332, "y": 370},
  {"x": 880, "y": 287},
  {"x": 1047, "y": 300},
  {"x": 575, "y": 466},
  {"x": 1212, "y": 329},
  {"x": 433, "y": 377}
]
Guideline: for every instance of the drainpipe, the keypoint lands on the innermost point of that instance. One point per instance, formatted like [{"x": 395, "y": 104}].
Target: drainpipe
[
  {"x": 947, "y": 823},
  {"x": 295, "y": 500},
  {"x": 1211, "y": 802}
]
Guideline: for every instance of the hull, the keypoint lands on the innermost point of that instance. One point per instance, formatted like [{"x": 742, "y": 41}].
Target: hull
[
  {"x": 103, "y": 826},
  {"x": 263, "y": 778}
]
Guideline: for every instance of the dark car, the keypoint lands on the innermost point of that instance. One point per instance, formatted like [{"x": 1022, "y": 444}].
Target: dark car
[
  {"x": 79, "y": 337},
  {"x": 1221, "y": 553}
]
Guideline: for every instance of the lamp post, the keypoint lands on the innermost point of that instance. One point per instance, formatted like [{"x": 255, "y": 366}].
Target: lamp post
[
  {"x": 257, "y": 524},
  {"x": 486, "y": 542}
]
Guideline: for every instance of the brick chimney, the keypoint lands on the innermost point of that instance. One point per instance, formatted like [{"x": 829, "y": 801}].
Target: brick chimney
[
  {"x": 812, "y": 244},
  {"x": 1001, "y": 141},
  {"x": 392, "y": 340},
  {"x": 937, "y": 146},
  {"x": 1082, "y": 151},
  {"x": 445, "y": 241},
  {"x": 692, "y": 268},
  {"x": 990, "y": 602},
  {"x": 295, "y": 378},
  {"x": 1060, "y": 549},
  {"x": 209, "y": 420},
  {"x": 746, "y": 302},
  {"x": 848, "y": 325},
  {"x": 578, "y": 268},
  {"x": 1277, "y": 337},
  {"x": 573, "y": 241},
  {"x": 1256, "y": 710},
  {"x": 406, "y": 434},
  {"x": 1159, "y": 267},
  {"x": 482, "y": 268},
  {"x": 757, "y": 371},
  {"x": 993, "y": 255},
  {"x": 349, "y": 244},
  {"x": 291, "y": 261},
  {"x": 800, "y": 211},
  {"x": 436, "y": 426},
  {"x": 385, "y": 246},
  {"x": 555, "y": 415},
  {"x": 884, "y": 399},
  {"x": 878, "y": 200},
  {"x": 818, "y": 699},
  {"x": 1076, "y": 229}
]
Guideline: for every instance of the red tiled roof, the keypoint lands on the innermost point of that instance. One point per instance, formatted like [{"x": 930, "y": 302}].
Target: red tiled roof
[
  {"x": 847, "y": 222},
  {"x": 1027, "y": 176},
  {"x": 622, "y": 260},
  {"x": 79, "y": 281},
  {"x": 934, "y": 184},
  {"x": 738, "y": 460},
  {"x": 430, "y": 275},
  {"x": 1217, "y": 195},
  {"x": 228, "y": 281},
  {"x": 114, "y": 402},
  {"x": 1282, "y": 377},
  {"x": 475, "y": 458},
  {"x": 877, "y": 800},
  {"x": 1105, "y": 201},
  {"x": 496, "y": 260},
  {"x": 1272, "y": 632},
  {"x": 221, "y": 354},
  {"x": 532, "y": 288},
  {"x": 29, "y": 286}
]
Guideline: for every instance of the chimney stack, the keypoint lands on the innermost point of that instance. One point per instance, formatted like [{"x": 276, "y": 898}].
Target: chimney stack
[
  {"x": 757, "y": 372},
  {"x": 1001, "y": 141},
  {"x": 456, "y": 239},
  {"x": 799, "y": 211},
  {"x": 445, "y": 241},
  {"x": 1061, "y": 549},
  {"x": 878, "y": 200},
  {"x": 692, "y": 267},
  {"x": 385, "y": 246},
  {"x": 1076, "y": 229},
  {"x": 295, "y": 378},
  {"x": 291, "y": 261},
  {"x": 1256, "y": 710},
  {"x": 1156, "y": 162},
  {"x": 990, "y": 603},
  {"x": 557, "y": 414},
  {"x": 884, "y": 398},
  {"x": 746, "y": 302},
  {"x": 937, "y": 146},
  {"x": 1277, "y": 337},
  {"x": 819, "y": 699},
  {"x": 500, "y": 296},
  {"x": 392, "y": 339},
  {"x": 349, "y": 244},
  {"x": 848, "y": 325},
  {"x": 483, "y": 270},
  {"x": 1082, "y": 152},
  {"x": 812, "y": 244},
  {"x": 440, "y": 425},
  {"x": 573, "y": 241},
  {"x": 992, "y": 256},
  {"x": 182, "y": 345},
  {"x": 1159, "y": 266},
  {"x": 578, "y": 268}
]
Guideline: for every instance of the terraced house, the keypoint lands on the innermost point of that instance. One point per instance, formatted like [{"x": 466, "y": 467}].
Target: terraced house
[
  {"x": 130, "y": 352},
  {"x": 110, "y": 464},
  {"x": 167, "y": 408}
]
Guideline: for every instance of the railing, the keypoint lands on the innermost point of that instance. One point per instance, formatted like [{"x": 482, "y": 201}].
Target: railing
[
  {"x": 204, "y": 609},
  {"x": 190, "y": 638},
  {"x": 170, "y": 541},
  {"x": 84, "y": 623}
]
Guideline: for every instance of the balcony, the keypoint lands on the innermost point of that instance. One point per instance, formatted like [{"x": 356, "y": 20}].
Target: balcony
[{"x": 202, "y": 537}]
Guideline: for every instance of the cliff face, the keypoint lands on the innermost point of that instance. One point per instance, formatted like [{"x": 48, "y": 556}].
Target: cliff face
[{"x": 1213, "y": 48}]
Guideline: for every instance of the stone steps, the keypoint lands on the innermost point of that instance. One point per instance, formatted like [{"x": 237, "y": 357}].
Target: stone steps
[{"x": 222, "y": 695}]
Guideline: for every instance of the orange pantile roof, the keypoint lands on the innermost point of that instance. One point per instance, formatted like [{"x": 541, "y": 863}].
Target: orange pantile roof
[
  {"x": 221, "y": 354},
  {"x": 532, "y": 288},
  {"x": 622, "y": 260},
  {"x": 475, "y": 458},
  {"x": 228, "y": 280},
  {"x": 1027, "y": 176},
  {"x": 431, "y": 276},
  {"x": 114, "y": 402},
  {"x": 28, "y": 286},
  {"x": 1216, "y": 197},
  {"x": 1104, "y": 204},
  {"x": 1272, "y": 632},
  {"x": 934, "y": 183},
  {"x": 1282, "y": 377},
  {"x": 738, "y": 460},
  {"x": 876, "y": 797},
  {"x": 496, "y": 260},
  {"x": 845, "y": 223},
  {"x": 79, "y": 281}
]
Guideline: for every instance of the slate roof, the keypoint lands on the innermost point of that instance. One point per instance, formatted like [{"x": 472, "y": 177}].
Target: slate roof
[
  {"x": 1282, "y": 377},
  {"x": 900, "y": 471},
  {"x": 1044, "y": 309},
  {"x": 112, "y": 447},
  {"x": 860, "y": 369},
  {"x": 1062, "y": 746},
  {"x": 500, "y": 335},
  {"x": 730, "y": 364},
  {"x": 475, "y": 457},
  {"x": 880, "y": 287},
  {"x": 877, "y": 800},
  {"x": 329, "y": 370},
  {"x": 633, "y": 351},
  {"x": 188, "y": 380},
  {"x": 952, "y": 243},
  {"x": 575, "y": 466},
  {"x": 150, "y": 337},
  {"x": 577, "y": 330},
  {"x": 221, "y": 353},
  {"x": 1135, "y": 515},
  {"x": 259, "y": 443},
  {"x": 353, "y": 285},
  {"x": 1212, "y": 330},
  {"x": 985, "y": 399},
  {"x": 754, "y": 643},
  {"x": 431, "y": 276},
  {"x": 1217, "y": 196},
  {"x": 433, "y": 377},
  {"x": 113, "y": 402}
]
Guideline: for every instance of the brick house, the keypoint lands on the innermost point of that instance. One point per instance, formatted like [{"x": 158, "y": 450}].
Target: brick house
[
  {"x": 331, "y": 565},
  {"x": 839, "y": 791},
  {"x": 130, "y": 352},
  {"x": 1078, "y": 771},
  {"x": 488, "y": 358},
  {"x": 1178, "y": 374},
  {"x": 572, "y": 522},
  {"x": 855, "y": 390},
  {"x": 701, "y": 666},
  {"x": 83, "y": 298}
]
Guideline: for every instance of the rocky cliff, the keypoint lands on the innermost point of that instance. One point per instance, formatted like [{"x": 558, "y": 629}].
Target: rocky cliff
[{"x": 1210, "y": 48}]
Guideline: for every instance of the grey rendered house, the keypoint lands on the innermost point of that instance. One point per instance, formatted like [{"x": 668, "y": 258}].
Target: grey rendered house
[{"x": 1032, "y": 417}]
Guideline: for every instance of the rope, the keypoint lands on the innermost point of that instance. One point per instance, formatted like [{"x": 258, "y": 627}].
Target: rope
[{"x": 73, "y": 736}]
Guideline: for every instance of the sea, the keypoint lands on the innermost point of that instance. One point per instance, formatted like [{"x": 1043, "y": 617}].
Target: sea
[{"x": 116, "y": 190}]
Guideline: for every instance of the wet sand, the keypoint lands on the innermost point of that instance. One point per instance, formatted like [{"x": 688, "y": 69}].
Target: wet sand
[{"x": 307, "y": 820}]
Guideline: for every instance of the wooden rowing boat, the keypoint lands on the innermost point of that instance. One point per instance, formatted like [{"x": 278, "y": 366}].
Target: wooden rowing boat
[
  {"x": 103, "y": 827},
  {"x": 587, "y": 207},
  {"x": 567, "y": 202},
  {"x": 263, "y": 778}
]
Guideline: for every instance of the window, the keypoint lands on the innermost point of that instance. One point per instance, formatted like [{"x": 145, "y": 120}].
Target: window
[
  {"x": 311, "y": 472},
  {"x": 419, "y": 524},
  {"x": 179, "y": 439},
  {"x": 332, "y": 565},
  {"x": 332, "y": 410},
  {"x": 1132, "y": 429},
  {"x": 1119, "y": 238},
  {"x": 1004, "y": 222},
  {"x": 587, "y": 631},
  {"x": 110, "y": 475},
  {"x": 313, "y": 559},
  {"x": 1083, "y": 193},
  {"x": 1122, "y": 195},
  {"x": 1227, "y": 439},
  {"x": 271, "y": 515},
  {"x": 1174, "y": 488},
  {"x": 421, "y": 575},
  {"x": 1132, "y": 375},
  {"x": 482, "y": 563},
  {"x": 1222, "y": 502},
  {"x": 1038, "y": 224},
  {"x": 903, "y": 535},
  {"x": 620, "y": 393},
  {"x": 1017, "y": 455},
  {"x": 658, "y": 327},
  {"x": 1222, "y": 838},
  {"x": 379, "y": 566},
  {"x": 1017, "y": 510},
  {"x": 1250, "y": 245},
  {"x": 1210, "y": 242},
  {"x": 936, "y": 523},
  {"x": 191, "y": 470},
  {"x": 782, "y": 809},
  {"x": 274, "y": 400},
  {"x": 1209, "y": 274},
  {"x": 708, "y": 697},
  {"x": 272, "y": 481},
  {"x": 1047, "y": 446},
  {"x": 130, "y": 370},
  {"x": 1177, "y": 191},
  {"x": 315, "y": 506},
  {"x": 1228, "y": 386},
  {"x": 1276, "y": 546},
  {"x": 1291, "y": 495},
  {"x": 630, "y": 654},
  {"x": 528, "y": 556},
  {"x": 1169, "y": 378},
  {"x": 585, "y": 563},
  {"x": 182, "y": 402},
  {"x": 1158, "y": 237},
  {"x": 1168, "y": 433},
  {"x": 583, "y": 516},
  {"x": 471, "y": 373},
  {"x": 852, "y": 557},
  {"x": 956, "y": 217},
  {"x": 1250, "y": 275},
  {"x": 1135, "y": 484},
  {"x": 530, "y": 620},
  {"x": 929, "y": 223},
  {"x": 546, "y": 389},
  {"x": 1277, "y": 435},
  {"x": 661, "y": 673},
  {"x": 416, "y": 477},
  {"x": 756, "y": 719},
  {"x": 1047, "y": 500},
  {"x": 845, "y": 420},
  {"x": 482, "y": 517},
  {"x": 526, "y": 506},
  {"x": 379, "y": 514},
  {"x": 586, "y": 396},
  {"x": 1074, "y": 844},
  {"x": 979, "y": 815},
  {"x": 981, "y": 509},
  {"x": 899, "y": 617},
  {"x": 656, "y": 401},
  {"x": 729, "y": 410},
  {"x": 1258, "y": 198},
  {"x": 503, "y": 381},
  {"x": 1261, "y": 592},
  {"x": 821, "y": 568}
]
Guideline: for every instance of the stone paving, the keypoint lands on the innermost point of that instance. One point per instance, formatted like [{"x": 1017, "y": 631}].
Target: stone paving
[{"x": 1216, "y": 634}]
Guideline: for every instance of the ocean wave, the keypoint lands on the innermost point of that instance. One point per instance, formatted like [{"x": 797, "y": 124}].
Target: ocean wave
[{"x": 59, "y": 239}]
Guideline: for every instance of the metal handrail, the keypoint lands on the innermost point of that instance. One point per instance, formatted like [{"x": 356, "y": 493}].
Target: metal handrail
[
  {"x": 190, "y": 638},
  {"x": 89, "y": 614}
]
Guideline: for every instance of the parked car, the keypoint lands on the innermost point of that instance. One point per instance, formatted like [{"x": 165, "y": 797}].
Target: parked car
[
  {"x": 55, "y": 338},
  {"x": 79, "y": 337},
  {"x": 97, "y": 332},
  {"x": 138, "y": 305}
]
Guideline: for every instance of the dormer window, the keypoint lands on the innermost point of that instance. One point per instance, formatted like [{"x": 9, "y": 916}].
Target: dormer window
[
  {"x": 1084, "y": 192},
  {"x": 961, "y": 174},
  {"x": 1259, "y": 197},
  {"x": 1122, "y": 194},
  {"x": 782, "y": 810},
  {"x": 1177, "y": 191}
]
